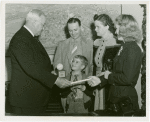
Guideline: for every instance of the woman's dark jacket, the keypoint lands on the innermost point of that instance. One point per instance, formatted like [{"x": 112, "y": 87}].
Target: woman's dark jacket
[{"x": 126, "y": 70}]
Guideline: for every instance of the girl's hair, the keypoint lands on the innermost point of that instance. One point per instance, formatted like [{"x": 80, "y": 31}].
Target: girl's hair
[
  {"x": 129, "y": 27},
  {"x": 74, "y": 20},
  {"x": 106, "y": 20}
]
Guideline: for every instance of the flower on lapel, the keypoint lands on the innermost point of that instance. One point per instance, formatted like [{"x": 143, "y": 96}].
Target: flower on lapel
[{"x": 121, "y": 48}]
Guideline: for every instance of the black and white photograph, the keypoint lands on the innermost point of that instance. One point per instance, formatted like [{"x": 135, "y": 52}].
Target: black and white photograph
[{"x": 74, "y": 59}]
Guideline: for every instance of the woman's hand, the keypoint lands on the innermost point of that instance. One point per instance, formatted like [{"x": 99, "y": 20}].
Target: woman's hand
[
  {"x": 106, "y": 74},
  {"x": 94, "y": 81}
]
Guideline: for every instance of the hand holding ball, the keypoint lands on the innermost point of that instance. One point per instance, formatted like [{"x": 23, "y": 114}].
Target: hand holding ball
[{"x": 61, "y": 72}]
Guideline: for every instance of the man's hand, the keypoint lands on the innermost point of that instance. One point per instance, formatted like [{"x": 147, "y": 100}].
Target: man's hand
[
  {"x": 94, "y": 81},
  {"x": 53, "y": 72},
  {"x": 62, "y": 82}
]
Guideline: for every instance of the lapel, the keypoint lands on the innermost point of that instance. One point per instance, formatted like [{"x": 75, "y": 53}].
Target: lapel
[
  {"x": 26, "y": 33},
  {"x": 84, "y": 46},
  {"x": 34, "y": 41},
  {"x": 67, "y": 50},
  {"x": 43, "y": 50}
]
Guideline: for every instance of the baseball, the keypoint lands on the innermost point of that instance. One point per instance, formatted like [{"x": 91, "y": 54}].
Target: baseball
[{"x": 59, "y": 66}]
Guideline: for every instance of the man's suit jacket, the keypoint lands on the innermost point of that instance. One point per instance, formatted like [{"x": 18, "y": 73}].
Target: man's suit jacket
[
  {"x": 63, "y": 54},
  {"x": 31, "y": 71}
]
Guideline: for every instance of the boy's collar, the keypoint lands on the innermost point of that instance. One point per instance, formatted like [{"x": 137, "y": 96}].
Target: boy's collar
[{"x": 74, "y": 73}]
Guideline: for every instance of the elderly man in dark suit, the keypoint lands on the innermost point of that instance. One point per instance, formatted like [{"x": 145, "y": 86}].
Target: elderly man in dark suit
[{"x": 31, "y": 68}]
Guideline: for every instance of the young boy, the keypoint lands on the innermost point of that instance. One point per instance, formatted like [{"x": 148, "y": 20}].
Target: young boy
[{"x": 76, "y": 99}]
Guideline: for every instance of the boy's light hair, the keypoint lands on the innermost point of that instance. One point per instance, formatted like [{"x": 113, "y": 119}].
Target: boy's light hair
[{"x": 83, "y": 60}]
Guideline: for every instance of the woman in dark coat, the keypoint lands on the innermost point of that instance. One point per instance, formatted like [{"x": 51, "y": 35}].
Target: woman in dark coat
[{"x": 127, "y": 63}]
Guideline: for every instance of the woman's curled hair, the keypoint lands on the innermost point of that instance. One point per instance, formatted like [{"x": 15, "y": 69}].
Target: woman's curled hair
[
  {"x": 106, "y": 20},
  {"x": 129, "y": 28}
]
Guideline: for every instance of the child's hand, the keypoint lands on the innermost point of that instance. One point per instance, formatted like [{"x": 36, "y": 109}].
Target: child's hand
[
  {"x": 83, "y": 87},
  {"x": 75, "y": 87}
]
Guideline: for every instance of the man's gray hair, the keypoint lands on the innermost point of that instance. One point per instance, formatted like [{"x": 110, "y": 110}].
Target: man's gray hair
[{"x": 34, "y": 14}]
